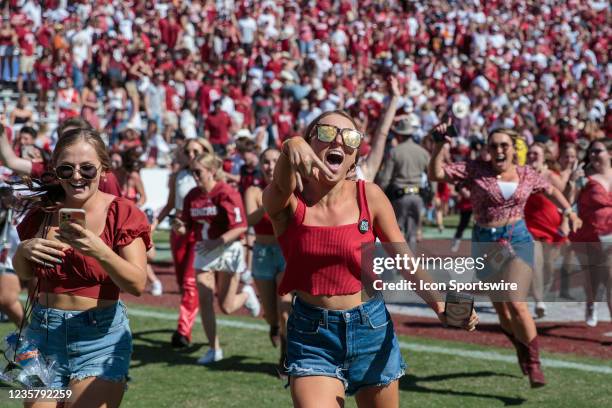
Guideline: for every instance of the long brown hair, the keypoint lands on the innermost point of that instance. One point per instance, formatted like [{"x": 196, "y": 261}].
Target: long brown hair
[{"x": 89, "y": 136}]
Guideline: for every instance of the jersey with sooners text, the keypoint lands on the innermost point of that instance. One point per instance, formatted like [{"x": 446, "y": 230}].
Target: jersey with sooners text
[{"x": 212, "y": 214}]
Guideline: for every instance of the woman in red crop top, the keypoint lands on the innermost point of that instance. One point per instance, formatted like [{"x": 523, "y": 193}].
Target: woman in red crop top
[
  {"x": 79, "y": 320},
  {"x": 337, "y": 344},
  {"x": 268, "y": 261},
  {"x": 214, "y": 212},
  {"x": 593, "y": 242},
  {"x": 546, "y": 224}
]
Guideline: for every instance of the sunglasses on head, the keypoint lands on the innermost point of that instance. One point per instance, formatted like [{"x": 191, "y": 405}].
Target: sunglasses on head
[
  {"x": 66, "y": 171},
  {"x": 327, "y": 133}
]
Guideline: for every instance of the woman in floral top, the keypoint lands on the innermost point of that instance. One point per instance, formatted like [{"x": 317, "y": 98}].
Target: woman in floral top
[{"x": 499, "y": 190}]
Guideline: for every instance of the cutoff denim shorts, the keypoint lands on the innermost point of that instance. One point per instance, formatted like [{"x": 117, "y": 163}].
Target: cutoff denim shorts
[
  {"x": 83, "y": 344},
  {"x": 484, "y": 239},
  {"x": 357, "y": 346},
  {"x": 268, "y": 261}
]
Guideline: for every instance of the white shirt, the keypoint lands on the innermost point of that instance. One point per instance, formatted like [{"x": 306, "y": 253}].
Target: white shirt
[
  {"x": 247, "y": 27},
  {"x": 183, "y": 185}
]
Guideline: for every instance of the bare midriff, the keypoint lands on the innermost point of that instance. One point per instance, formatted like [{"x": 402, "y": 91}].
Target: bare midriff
[
  {"x": 335, "y": 302},
  {"x": 500, "y": 223},
  {"x": 65, "y": 301}
]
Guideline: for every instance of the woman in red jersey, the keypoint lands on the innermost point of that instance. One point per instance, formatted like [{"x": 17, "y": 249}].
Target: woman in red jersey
[
  {"x": 337, "y": 343},
  {"x": 214, "y": 211},
  {"x": 268, "y": 261}
]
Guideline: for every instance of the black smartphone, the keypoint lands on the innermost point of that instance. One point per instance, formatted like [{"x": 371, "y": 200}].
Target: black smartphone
[
  {"x": 451, "y": 131},
  {"x": 458, "y": 308}
]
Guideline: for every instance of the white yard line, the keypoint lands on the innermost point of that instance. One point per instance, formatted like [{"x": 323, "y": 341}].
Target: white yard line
[{"x": 457, "y": 352}]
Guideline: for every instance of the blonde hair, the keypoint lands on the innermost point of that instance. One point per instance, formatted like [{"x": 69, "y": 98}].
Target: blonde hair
[
  {"x": 202, "y": 142},
  {"x": 212, "y": 162}
]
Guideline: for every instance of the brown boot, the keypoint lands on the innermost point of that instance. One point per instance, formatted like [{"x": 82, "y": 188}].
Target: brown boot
[
  {"x": 521, "y": 351},
  {"x": 536, "y": 376}
]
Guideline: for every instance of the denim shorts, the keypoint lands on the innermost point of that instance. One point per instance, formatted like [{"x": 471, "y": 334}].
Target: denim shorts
[
  {"x": 268, "y": 261},
  {"x": 357, "y": 346},
  {"x": 96, "y": 343},
  {"x": 484, "y": 239}
]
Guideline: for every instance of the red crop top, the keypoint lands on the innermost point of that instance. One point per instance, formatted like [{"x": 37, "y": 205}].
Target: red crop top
[
  {"x": 82, "y": 275},
  {"x": 324, "y": 260},
  {"x": 264, "y": 226}
]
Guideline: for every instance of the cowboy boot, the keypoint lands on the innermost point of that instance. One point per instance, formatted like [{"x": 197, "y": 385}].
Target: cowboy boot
[
  {"x": 536, "y": 376},
  {"x": 521, "y": 351}
]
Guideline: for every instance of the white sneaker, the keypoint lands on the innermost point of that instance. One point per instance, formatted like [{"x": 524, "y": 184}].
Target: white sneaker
[
  {"x": 211, "y": 356},
  {"x": 591, "y": 315},
  {"x": 252, "y": 303},
  {"x": 156, "y": 288},
  {"x": 246, "y": 277},
  {"x": 540, "y": 309},
  {"x": 456, "y": 245}
]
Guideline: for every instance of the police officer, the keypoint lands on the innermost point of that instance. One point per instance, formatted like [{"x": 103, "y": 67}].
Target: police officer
[{"x": 401, "y": 176}]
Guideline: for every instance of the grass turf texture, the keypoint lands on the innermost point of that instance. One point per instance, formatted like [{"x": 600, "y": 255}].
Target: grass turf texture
[{"x": 162, "y": 377}]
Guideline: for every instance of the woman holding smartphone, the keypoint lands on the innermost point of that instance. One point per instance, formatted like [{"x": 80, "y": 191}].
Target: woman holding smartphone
[
  {"x": 340, "y": 341},
  {"x": 213, "y": 211},
  {"x": 78, "y": 319},
  {"x": 499, "y": 190}
]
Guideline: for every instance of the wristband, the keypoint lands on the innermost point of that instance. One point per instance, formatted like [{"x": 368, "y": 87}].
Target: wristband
[{"x": 568, "y": 211}]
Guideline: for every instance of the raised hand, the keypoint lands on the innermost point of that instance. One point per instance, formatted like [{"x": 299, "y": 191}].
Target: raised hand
[
  {"x": 304, "y": 161},
  {"x": 394, "y": 87}
]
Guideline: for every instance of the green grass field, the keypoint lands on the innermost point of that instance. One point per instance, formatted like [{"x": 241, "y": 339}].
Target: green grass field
[{"x": 161, "y": 377}]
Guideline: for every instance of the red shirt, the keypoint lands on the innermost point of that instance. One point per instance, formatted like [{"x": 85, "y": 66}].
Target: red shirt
[
  {"x": 27, "y": 41},
  {"x": 210, "y": 215},
  {"x": 218, "y": 124},
  {"x": 595, "y": 211},
  {"x": 82, "y": 275},
  {"x": 487, "y": 200}
]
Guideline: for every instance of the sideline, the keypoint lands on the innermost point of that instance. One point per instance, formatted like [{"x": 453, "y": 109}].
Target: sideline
[{"x": 455, "y": 352}]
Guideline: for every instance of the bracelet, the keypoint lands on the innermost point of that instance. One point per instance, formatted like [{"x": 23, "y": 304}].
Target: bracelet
[{"x": 568, "y": 211}]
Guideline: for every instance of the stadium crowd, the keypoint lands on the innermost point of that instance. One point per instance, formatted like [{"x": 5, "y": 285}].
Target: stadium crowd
[{"x": 247, "y": 76}]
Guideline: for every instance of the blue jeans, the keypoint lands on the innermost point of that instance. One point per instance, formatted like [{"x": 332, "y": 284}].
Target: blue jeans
[
  {"x": 96, "y": 343},
  {"x": 484, "y": 239},
  {"x": 356, "y": 346},
  {"x": 268, "y": 261}
]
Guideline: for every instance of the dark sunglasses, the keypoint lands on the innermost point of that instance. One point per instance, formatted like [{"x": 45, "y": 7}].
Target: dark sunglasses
[
  {"x": 596, "y": 151},
  {"x": 66, "y": 171},
  {"x": 327, "y": 133},
  {"x": 197, "y": 173},
  {"x": 495, "y": 146}
]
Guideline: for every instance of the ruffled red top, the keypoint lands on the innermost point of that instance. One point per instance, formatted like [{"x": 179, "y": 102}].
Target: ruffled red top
[{"x": 82, "y": 275}]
